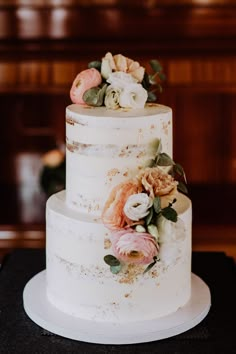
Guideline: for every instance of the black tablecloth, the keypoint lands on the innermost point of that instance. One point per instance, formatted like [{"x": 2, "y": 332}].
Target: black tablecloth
[{"x": 215, "y": 334}]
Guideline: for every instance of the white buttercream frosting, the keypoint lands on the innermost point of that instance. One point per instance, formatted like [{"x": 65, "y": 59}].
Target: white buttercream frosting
[{"x": 105, "y": 148}]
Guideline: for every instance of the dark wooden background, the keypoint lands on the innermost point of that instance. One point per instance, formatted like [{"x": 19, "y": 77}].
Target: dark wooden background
[{"x": 43, "y": 46}]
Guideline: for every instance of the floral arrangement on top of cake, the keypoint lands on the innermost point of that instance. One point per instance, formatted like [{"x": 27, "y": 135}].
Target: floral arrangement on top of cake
[
  {"x": 138, "y": 211},
  {"x": 117, "y": 81}
]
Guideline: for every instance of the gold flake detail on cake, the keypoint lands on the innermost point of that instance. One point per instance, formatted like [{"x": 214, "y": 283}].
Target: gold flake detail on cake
[
  {"x": 165, "y": 127},
  {"x": 113, "y": 172},
  {"x": 70, "y": 121},
  {"x": 107, "y": 243},
  {"x": 127, "y": 295},
  {"x": 131, "y": 273},
  {"x": 70, "y": 147}
]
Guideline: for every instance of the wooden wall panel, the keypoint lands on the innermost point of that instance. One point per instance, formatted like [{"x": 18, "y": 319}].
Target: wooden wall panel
[{"x": 199, "y": 136}]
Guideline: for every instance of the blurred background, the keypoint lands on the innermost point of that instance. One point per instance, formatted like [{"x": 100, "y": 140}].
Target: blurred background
[{"x": 45, "y": 43}]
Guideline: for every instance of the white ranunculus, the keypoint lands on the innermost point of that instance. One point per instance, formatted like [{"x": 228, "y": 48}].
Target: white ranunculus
[
  {"x": 112, "y": 97},
  {"x": 121, "y": 79},
  {"x": 137, "y": 206},
  {"x": 133, "y": 96}
]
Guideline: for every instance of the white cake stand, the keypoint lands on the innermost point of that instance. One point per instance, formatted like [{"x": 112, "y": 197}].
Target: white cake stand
[{"x": 50, "y": 318}]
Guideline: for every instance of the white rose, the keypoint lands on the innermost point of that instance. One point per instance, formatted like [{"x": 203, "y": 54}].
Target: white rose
[
  {"x": 112, "y": 97},
  {"x": 133, "y": 96},
  {"x": 120, "y": 79},
  {"x": 137, "y": 206}
]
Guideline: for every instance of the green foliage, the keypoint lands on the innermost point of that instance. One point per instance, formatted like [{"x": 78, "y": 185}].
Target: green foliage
[
  {"x": 157, "y": 204},
  {"x": 176, "y": 170},
  {"x": 111, "y": 260},
  {"x": 182, "y": 187},
  {"x": 164, "y": 160},
  {"x": 169, "y": 213},
  {"x": 151, "y": 97},
  {"x": 149, "y": 217},
  {"x": 96, "y": 64},
  {"x": 115, "y": 269},
  {"x": 152, "y": 82},
  {"x": 150, "y": 265},
  {"x": 95, "y": 96}
]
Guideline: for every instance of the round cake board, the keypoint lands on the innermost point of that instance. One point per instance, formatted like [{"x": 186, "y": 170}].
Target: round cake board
[{"x": 47, "y": 316}]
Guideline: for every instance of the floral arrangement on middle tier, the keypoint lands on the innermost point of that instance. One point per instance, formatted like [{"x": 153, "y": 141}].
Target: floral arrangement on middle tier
[
  {"x": 117, "y": 81},
  {"x": 137, "y": 210}
]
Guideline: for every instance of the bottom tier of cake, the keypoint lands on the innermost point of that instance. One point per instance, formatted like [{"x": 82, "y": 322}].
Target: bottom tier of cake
[{"x": 81, "y": 284}]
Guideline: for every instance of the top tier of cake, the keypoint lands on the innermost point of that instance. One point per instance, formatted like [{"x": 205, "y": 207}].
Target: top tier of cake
[{"x": 106, "y": 147}]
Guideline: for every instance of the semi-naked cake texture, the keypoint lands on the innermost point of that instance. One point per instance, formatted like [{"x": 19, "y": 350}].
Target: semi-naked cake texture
[
  {"x": 106, "y": 147},
  {"x": 119, "y": 238}
]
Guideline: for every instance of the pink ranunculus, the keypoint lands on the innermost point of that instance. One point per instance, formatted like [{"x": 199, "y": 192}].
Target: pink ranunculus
[
  {"x": 133, "y": 247},
  {"x": 85, "y": 80},
  {"x": 113, "y": 215}
]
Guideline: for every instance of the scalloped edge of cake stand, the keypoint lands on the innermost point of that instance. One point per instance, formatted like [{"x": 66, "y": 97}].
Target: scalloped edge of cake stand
[{"x": 47, "y": 316}]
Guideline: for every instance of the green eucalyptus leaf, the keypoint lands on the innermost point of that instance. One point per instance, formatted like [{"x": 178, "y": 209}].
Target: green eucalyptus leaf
[
  {"x": 154, "y": 146},
  {"x": 95, "y": 96},
  {"x": 155, "y": 65},
  {"x": 162, "y": 76},
  {"x": 145, "y": 82},
  {"x": 170, "y": 214},
  {"x": 148, "y": 218},
  {"x": 182, "y": 187},
  {"x": 115, "y": 269},
  {"x": 179, "y": 169},
  {"x": 150, "y": 265},
  {"x": 151, "y": 163},
  {"x": 152, "y": 79},
  {"x": 164, "y": 160},
  {"x": 157, "y": 204},
  {"x": 151, "y": 97},
  {"x": 152, "y": 230},
  {"x": 95, "y": 64},
  {"x": 111, "y": 260}
]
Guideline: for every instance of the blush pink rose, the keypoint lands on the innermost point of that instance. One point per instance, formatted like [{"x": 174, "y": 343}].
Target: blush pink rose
[
  {"x": 158, "y": 183},
  {"x": 113, "y": 215},
  {"x": 134, "y": 247},
  {"x": 85, "y": 80},
  {"x": 119, "y": 62}
]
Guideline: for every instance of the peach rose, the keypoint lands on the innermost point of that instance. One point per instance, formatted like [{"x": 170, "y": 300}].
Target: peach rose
[
  {"x": 134, "y": 247},
  {"x": 158, "y": 183},
  {"x": 85, "y": 80},
  {"x": 113, "y": 215},
  {"x": 53, "y": 158},
  {"x": 119, "y": 62}
]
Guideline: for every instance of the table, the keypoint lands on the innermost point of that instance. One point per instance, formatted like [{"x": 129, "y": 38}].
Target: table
[{"x": 215, "y": 334}]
